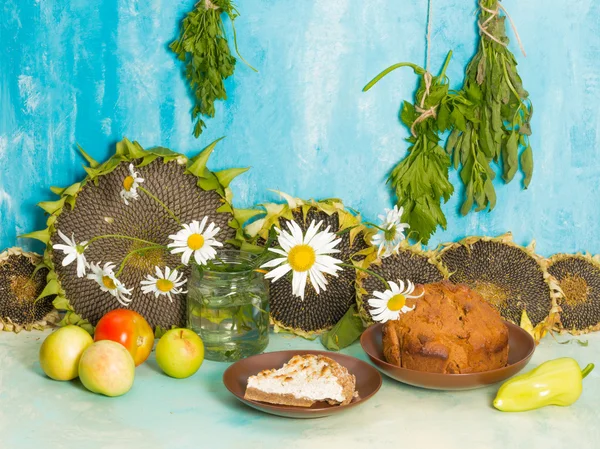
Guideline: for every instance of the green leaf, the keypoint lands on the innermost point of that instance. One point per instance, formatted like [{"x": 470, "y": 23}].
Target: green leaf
[
  {"x": 52, "y": 206},
  {"x": 465, "y": 147},
  {"x": 148, "y": 159},
  {"x": 473, "y": 92},
  {"x": 62, "y": 303},
  {"x": 211, "y": 183},
  {"x": 243, "y": 215},
  {"x": 197, "y": 164},
  {"x": 226, "y": 176},
  {"x": 51, "y": 288},
  {"x": 90, "y": 160},
  {"x": 468, "y": 202},
  {"x": 527, "y": 165},
  {"x": 443, "y": 119},
  {"x": 408, "y": 114},
  {"x": 481, "y": 67},
  {"x": 126, "y": 148},
  {"x": 490, "y": 193},
  {"x": 163, "y": 152},
  {"x": 458, "y": 119},
  {"x": 496, "y": 117},
  {"x": 43, "y": 236},
  {"x": 452, "y": 140},
  {"x": 510, "y": 159},
  {"x": 345, "y": 332}
]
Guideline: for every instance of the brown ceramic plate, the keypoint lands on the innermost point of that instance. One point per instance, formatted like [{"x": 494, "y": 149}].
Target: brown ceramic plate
[
  {"x": 235, "y": 378},
  {"x": 521, "y": 347}
]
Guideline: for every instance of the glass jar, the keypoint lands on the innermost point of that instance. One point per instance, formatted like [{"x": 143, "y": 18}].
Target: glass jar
[{"x": 228, "y": 307}]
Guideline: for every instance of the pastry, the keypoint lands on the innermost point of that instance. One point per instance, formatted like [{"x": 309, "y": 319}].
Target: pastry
[
  {"x": 303, "y": 381},
  {"x": 452, "y": 330}
]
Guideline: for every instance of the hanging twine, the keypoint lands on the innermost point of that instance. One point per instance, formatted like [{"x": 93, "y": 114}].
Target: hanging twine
[
  {"x": 493, "y": 14},
  {"x": 427, "y": 78},
  {"x": 207, "y": 4}
]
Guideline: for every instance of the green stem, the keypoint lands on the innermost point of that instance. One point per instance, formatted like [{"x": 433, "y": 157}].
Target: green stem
[
  {"x": 164, "y": 206},
  {"x": 236, "y": 45},
  {"x": 131, "y": 253},
  {"x": 448, "y": 57},
  {"x": 373, "y": 225},
  {"x": 366, "y": 271},
  {"x": 512, "y": 88},
  {"x": 418, "y": 70},
  {"x": 587, "y": 370},
  {"x": 118, "y": 236}
]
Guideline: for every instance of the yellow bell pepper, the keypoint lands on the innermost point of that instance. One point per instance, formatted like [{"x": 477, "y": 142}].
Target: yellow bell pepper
[{"x": 556, "y": 382}]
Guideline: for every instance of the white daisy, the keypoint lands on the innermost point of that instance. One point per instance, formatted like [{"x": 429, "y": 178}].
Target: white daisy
[
  {"x": 130, "y": 185},
  {"x": 164, "y": 284},
  {"x": 391, "y": 303},
  {"x": 389, "y": 240},
  {"x": 73, "y": 251},
  {"x": 306, "y": 256},
  {"x": 194, "y": 239},
  {"x": 106, "y": 279}
]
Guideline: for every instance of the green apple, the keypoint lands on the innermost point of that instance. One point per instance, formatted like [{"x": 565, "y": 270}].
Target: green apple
[
  {"x": 61, "y": 350},
  {"x": 179, "y": 353},
  {"x": 107, "y": 368}
]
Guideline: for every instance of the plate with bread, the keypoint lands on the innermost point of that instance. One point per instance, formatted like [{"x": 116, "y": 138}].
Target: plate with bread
[
  {"x": 302, "y": 384},
  {"x": 452, "y": 339}
]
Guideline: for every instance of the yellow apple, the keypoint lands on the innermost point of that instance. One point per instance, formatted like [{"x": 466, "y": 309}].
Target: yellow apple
[
  {"x": 61, "y": 351},
  {"x": 107, "y": 368},
  {"x": 179, "y": 353}
]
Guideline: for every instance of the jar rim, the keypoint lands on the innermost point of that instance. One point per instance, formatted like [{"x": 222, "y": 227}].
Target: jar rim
[{"x": 229, "y": 258}]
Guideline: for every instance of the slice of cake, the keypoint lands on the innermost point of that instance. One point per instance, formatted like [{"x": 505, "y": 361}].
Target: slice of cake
[{"x": 302, "y": 381}]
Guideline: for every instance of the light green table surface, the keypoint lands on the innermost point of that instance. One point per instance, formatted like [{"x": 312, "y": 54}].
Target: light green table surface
[{"x": 198, "y": 412}]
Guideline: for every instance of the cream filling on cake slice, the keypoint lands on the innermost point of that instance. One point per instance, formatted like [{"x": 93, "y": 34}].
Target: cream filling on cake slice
[{"x": 303, "y": 377}]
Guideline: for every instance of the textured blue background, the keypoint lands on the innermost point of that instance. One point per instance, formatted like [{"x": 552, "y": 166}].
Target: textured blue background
[{"x": 93, "y": 71}]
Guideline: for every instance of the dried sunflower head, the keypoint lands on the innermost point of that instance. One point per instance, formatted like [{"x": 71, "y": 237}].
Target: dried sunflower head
[
  {"x": 510, "y": 277},
  {"x": 317, "y": 312},
  {"x": 410, "y": 264},
  {"x": 20, "y": 286},
  {"x": 579, "y": 279},
  {"x": 121, "y": 219}
]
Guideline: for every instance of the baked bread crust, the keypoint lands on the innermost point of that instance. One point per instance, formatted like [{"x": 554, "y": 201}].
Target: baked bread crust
[
  {"x": 452, "y": 330},
  {"x": 314, "y": 367}
]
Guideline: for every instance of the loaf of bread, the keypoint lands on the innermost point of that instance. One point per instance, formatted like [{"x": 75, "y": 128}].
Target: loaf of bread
[{"x": 452, "y": 330}]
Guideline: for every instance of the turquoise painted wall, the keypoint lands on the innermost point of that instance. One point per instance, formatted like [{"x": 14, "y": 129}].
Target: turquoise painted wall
[{"x": 93, "y": 71}]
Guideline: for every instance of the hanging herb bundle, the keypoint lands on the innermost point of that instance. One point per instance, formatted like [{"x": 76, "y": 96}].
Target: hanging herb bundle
[
  {"x": 209, "y": 62},
  {"x": 420, "y": 180},
  {"x": 491, "y": 115}
]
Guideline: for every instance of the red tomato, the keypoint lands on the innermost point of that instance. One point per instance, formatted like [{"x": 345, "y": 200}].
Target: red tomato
[{"x": 128, "y": 328}]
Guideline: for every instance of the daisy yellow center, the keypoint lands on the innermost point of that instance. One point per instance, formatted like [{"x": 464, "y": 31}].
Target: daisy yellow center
[
  {"x": 108, "y": 282},
  {"x": 396, "y": 303},
  {"x": 164, "y": 285},
  {"x": 302, "y": 258},
  {"x": 195, "y": 241},
  {"x": 128, "y": 183},
  {"x": 390, "y": 234}
]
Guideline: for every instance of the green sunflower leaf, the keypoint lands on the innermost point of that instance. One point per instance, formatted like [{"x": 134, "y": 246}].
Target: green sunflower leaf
[
  {"x": 62, "y": 303},
  {"x": 51, "y": 288},
  {"x": 52, "y": 206},
  {"x": 163, "y": 152},
  {"x": 345, "y": 332},
  {"x": 197, "y": 165},
  {"x": 243, "y": 215},
  {"x": 226, "y": 176},
  {"x": 42, "y": 236},
  {"x": 131, "y": 149},
  {"x": 148, "y": 159},
  {"x": 90, "y": 160}
]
